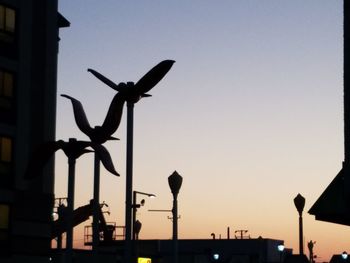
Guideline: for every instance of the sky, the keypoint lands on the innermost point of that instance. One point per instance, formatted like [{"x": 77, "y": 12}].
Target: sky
[{"x": 250, "y": 114}]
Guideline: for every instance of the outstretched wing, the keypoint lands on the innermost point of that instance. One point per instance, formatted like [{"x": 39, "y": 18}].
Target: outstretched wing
[
  {"x": 40, "y": 157},
  {"x": 104, "y": 79},
  {"x": 152, "y": 77},
  {"x": 105, "y": 158},
  {"x": 79, "y": 115},
  {"x": 114, "y": 114}
]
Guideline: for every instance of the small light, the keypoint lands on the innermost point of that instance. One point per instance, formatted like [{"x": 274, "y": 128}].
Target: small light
[
  {"x": 344, "y": 255},
  {"x": 216, "y": 256},
  {"x": 280, "y": 248}
]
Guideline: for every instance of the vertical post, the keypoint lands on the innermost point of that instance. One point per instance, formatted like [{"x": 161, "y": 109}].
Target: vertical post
[
  {"x": 346, "y": 83},
  {"x": 133, "y": 234},
  {"x": 346, "y": 102},
  {"x": 134, "y": 209},
  {"x": 301, "y": 245},
  {"x": 175, "y": 242},
  {"x": 59, "y": 237},
  {"x": 299, "y": 202},
  {"x": 96, "y": 205},
  {"x": 70, "y": 208},
  {"x": 61, "y": 211},
  {"x": 175, "y": 182},
  {"x": 129, "y": 175}
]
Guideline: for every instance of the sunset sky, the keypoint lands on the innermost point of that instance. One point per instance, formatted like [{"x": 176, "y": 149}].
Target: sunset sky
[{"x": 250, "y": 115}]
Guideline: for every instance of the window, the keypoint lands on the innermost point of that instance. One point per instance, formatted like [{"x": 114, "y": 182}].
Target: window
[
  {"x": 7, "y": 24},
  {"x": 4, "y": 228},
  {"x": 6, "y": 165},
  {"x": 4, "y": 221},
  {"x": 6, "y": 89},
  {"x": 6, "y": 150}
]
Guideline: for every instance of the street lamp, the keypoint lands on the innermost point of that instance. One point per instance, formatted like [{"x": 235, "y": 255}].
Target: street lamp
[
  {"x": 280, "y": 248},
  {"x": 175, "y": 182},
  {"x": 136, "y": 225},
  {"x": 134, "y": 209},
  {"x": 299, "y": 202}
]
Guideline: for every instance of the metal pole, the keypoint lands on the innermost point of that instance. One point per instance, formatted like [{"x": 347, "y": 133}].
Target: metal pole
[
  {"x": 175, "y": 243},
  {"x": 96, "y": 204},
  {"x": 134, "y": 209},
  {"x": 70, "y": 208},
  {"x": 346, "y": 82},
  {"x": 133, "y": 249},
  {"x": 301, "y": 247},
  {"x": 129, "y": 175},
  {"x": 346, "y": 102}
]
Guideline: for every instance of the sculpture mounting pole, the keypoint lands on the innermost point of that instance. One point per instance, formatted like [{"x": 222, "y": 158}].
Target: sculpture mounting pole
[
  {"x": 70, "y": 206},
  {"x": 96, "y": 205},
  {"x": 129, "y": 176},
  {"x": 299, "y": 202},
  {"x": 175, "y": 182}
]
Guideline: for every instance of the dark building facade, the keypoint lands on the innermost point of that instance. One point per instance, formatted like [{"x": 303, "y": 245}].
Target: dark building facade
[
  {"x": 333, "y": 204},
  {"x": 252, "y": 250},
  {"x": 28, "y": 69}
]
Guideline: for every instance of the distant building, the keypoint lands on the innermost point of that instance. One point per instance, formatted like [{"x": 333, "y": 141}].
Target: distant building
[
  {"x": 28, "y": 68},
  {"x": 342, "y": 258},
  {"x": 254, "y": 250}
]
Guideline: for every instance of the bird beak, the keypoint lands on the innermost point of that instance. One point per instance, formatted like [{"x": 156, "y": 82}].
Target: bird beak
[{"x": 111, "y": 138}]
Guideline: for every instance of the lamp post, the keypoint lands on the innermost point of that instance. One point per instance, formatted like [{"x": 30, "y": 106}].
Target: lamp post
[
  {"x": 175, "y": 182},
  {"x": 344, "y": 255},
  {"x": 280, "y": 249},
  {"x": 299, "y": 202},
  {"x": 134, "y": 209},
  {"x": 136, "y": 225}
]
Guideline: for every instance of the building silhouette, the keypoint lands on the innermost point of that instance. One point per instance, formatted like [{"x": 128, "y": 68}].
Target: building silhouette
[
  {"x": 333, "y": 205},
  {"x": 28, "y": 68},
  {"x": 247, "y": 250}
]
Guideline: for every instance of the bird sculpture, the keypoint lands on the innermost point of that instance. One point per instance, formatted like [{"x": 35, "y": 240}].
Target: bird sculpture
[
  {"x": 99, "y": 134},
  {"x": 73, "y": 149},
  {"x": 134, "y": 92}
]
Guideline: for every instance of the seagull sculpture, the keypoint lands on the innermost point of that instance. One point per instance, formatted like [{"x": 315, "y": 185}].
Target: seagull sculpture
[
  {"x": 134, "y": 92},
  {"x": 73, "y": 149},
  {"x": 99, "y": 134}
]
